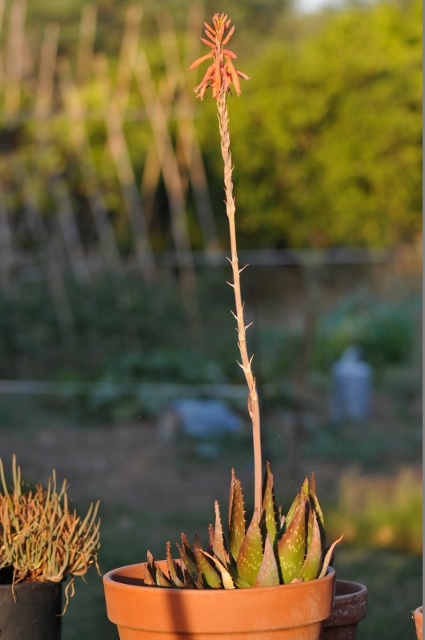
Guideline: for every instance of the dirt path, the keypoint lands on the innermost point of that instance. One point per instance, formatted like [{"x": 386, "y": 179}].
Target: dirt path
[{"x": 127, "y": 464}]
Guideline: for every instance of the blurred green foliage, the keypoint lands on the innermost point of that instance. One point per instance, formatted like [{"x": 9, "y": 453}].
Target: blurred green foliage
[
  {"x": 326, "y": 137},
  {"x": 380, "y": 511},
  {"x": 125, "y": 331}
]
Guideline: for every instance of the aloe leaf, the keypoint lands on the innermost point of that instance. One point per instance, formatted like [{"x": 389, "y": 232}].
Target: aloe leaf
[
  {"x": 291, "y": 546},
  {"x": 156, "y": 574},
  {"x": 328, "y": 557},
  {"x": 268, "y": 575},
  {"x": 311, "y": 566},
  {"x": 269, "y": 517},
  {"x": 225, "y": 575},
  {"x": 188, "y": 557},
  {"x": 207, "y": 575},
  {"x": 314, "y": 501},
  {"x": 292, "y": 510},
  {"x": 176, "y": 580},
  {"x": 218, "y": 541},
  {"x": 236, "y": 517},
  {"x": 250, "y": 554}
]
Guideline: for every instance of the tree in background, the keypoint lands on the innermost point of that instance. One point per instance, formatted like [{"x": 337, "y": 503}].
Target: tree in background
[{"x": 334, "y": 155}]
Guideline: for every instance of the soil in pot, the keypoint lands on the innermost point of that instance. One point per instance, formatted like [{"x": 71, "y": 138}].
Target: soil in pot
[
  {"x": 349, "y": 608},
  {"x": 286, "y": 612},
  {"x": 30, "y": 610}
]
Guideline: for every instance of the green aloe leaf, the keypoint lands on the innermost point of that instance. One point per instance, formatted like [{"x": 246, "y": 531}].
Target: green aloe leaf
[
  {"x": 225, "y": 574},
  {"x": 292, "y": 510},
  {"x": 236, "y": 517},
  {"x": 218, "y": 543},
  {"x": 188, "y": 557},
  {"x": 207, "y": 575},
  {"x": 250, "y": 554},
  {"x": 268, "y": 575},
  {"x": 311, "y": 566},
  {"x": 317, "y": 508},
  {"x": 269, "y": 517},
  {"x": 291, "y": 546}
]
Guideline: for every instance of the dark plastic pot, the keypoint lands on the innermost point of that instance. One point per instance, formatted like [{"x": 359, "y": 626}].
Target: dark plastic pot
[
  {"x": 350, "y": 605},
  {"x": 30, "y": 610}
]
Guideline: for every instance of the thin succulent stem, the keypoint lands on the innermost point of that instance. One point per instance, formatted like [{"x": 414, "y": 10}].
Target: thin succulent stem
[{"x": 253, "y": 402}]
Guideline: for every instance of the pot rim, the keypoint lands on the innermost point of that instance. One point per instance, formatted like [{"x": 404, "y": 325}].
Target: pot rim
[
  {"x": 133, "y": 605},
  {"x": 358, "y": 589},
  {"x": 129, "y": 581}
]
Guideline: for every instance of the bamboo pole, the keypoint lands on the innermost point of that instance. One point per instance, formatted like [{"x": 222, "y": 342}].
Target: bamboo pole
[
  {"x": 6, "y": 246},
  {"x": 2, "y": 54},
  {"x": 86, "y": 43},
  {"x": 187, "y": 138},
  {"x": 168, "y": 162},
  {"x": 76, "y": 112},
  {"x": 14, "y": 58},
  {"x": 42, "y": 112},
  {"x": 58, "y": 187},
  {"x": 121, "y": 157}
]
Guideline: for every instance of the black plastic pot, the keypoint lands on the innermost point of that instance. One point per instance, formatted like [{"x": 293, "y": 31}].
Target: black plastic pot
[
  {"x": 30, "y": 610},
  {"x": 350, "y": 606}
]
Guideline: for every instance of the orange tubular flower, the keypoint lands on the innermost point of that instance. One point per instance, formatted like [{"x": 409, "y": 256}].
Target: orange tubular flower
[{"x": 221, "y": 73}]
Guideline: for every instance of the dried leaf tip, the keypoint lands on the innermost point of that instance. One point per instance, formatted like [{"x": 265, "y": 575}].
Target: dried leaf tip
[{"x": 221, "y": 73}]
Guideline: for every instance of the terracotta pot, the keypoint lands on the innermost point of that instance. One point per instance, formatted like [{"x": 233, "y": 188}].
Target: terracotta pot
[
  {"x": 32, "y": 610},
  {"x": 417, "y": 616},
  {"x": 287, "y": 612},
  {"x": 350, "y": 604}
]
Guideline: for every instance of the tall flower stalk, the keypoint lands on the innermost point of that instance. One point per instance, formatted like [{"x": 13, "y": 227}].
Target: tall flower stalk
[
  {"x": 272, "y": 548},
  {"x": 220, "y": 77}
]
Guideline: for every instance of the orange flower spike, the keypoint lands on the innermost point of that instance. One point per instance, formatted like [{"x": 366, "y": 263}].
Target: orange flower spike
[{"x": 221, "y": 74}]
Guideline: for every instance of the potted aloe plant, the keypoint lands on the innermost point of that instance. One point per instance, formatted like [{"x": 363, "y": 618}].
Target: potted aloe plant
[
  {"x": 42, "y": 543},
  {"x": 270, "y": 577}
]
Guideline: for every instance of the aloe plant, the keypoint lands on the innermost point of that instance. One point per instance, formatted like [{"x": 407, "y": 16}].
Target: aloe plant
[{"x": 273, "y": 549}]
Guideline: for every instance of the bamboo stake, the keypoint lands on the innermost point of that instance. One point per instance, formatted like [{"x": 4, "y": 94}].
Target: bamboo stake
[
  {"x": 59, "y": 189},
  {"x": 6, "y": 246},
  {"x": 2, "y": 61},
  {"x": 86, "y": 43},
  {"x": 123, "y": 166},
  {"x": 76, "y": 112},
  {"x": 109, "y": 251},
  {"x": 168, "y": 162},
  {"x": 53, "y": 265},
  {"x": 15, "y": 58},
  {"x": 186, "y": 131},
  {"x": 42, "y": 111}
]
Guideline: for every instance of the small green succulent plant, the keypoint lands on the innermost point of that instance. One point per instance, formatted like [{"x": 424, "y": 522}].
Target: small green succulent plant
[{"x": 273, "y": 550}]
